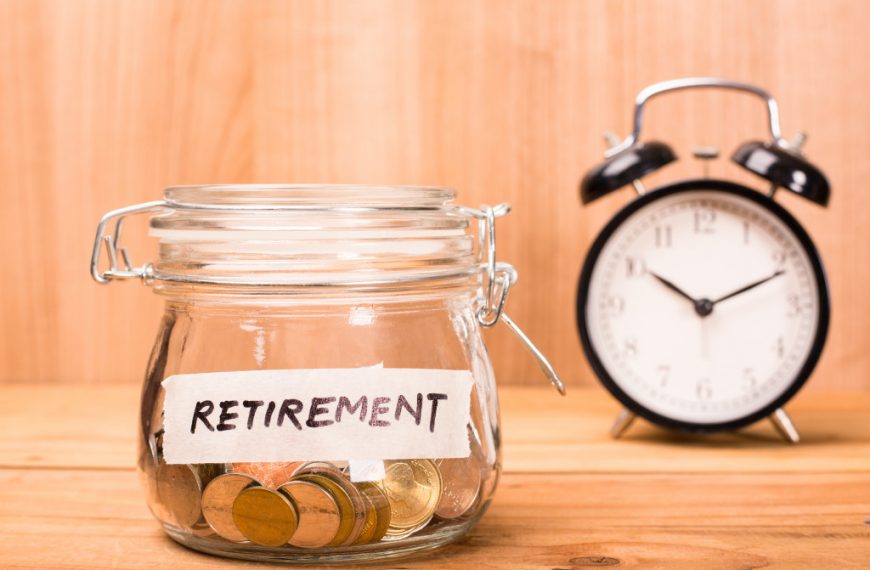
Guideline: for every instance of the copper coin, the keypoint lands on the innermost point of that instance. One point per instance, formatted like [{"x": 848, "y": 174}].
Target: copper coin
[
  {"x": 264, "y": 516},
  {"x": 413, "y": 488},
  {"x": 460, "y": 486},
  {"x": 178, "y": 495},
  {"x": 217, "y": 503},
  {"x": 271, "y": 474},
  {"x": 379, "y": 505},
  {"x": 319, "y": 517}
]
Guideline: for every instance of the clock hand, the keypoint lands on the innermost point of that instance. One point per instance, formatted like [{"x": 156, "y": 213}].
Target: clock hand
[
  {"x": 702, "y": 306},
  {"x": 673, "y": 288},
  {"x": 776, "y": 273}
]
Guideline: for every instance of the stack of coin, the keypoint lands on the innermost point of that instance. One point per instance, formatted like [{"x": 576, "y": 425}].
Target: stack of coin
[{"x": 315, "y": 504}]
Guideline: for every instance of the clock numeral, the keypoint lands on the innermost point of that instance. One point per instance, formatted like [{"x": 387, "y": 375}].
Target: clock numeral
[
  {"x": 614, "y": 305},
  {"x": 795, "y": 307},
  {"x": 630, "y": 346},
  {"x": 779, "y": 347},
  {"x": 634, "y": 267},
  {"x": 779, "y": 258},
  {"x": 705, "y": 218},
  {"x": 629, "y": 349},
  {"x": 704, "y": 390},
  {"x": 663, "y": 373},
  {"x": 664, "y": 236},
  {"x": 750, "y": 382},
  {"x": 746, "y": 233}
]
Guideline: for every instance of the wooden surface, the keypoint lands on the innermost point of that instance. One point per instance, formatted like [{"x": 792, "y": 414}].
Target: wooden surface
[
  {"x": 570, "y": 497},
  {"x": 105, "y": 103}
]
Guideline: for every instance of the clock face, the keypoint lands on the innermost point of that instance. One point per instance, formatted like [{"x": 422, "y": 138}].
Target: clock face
[{"x": 703, "y": 304}]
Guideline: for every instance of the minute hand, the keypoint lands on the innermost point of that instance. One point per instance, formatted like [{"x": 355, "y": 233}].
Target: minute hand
[{"x": 777, "y": 273}]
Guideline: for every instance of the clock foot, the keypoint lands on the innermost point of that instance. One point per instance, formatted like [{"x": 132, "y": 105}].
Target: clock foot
[
  {"x": 622, "y": 422},
  {"x": 783, "y": 424}
]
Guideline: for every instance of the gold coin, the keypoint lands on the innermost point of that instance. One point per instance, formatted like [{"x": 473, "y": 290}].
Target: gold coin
[
  {"x": 217, "y": 503},
  {"x": 413, "y": 488},
  {"x": 379, "y": 510},
  {"x": 398, "y": 533},
  {"x": 370, "y": 525},
  {"x": 342, "y": 499},
  {"x": 264, "y": 516},
  {"x": 319, "y": 517},
  {"x": 270, "y": 474},
  {"x": 178, "y": 495},
  {"x": 460, "y": 486}
]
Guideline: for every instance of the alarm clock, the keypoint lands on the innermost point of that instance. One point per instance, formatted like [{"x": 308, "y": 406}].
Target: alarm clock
[{"x": 703, "y": 304}]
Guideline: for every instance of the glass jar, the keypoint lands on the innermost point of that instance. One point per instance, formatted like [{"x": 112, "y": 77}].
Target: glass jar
[{"x": 319, "y": 389}]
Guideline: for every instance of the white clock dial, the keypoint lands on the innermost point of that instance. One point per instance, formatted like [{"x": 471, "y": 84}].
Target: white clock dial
[{"x": 677, "y": 259}]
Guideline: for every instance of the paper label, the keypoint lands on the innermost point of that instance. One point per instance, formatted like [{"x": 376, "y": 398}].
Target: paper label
[{"x": 319, "y": 414}]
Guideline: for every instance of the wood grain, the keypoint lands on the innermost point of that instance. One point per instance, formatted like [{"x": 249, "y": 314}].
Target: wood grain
[
  {"x": 645, "y": 502},
  {"x": 105, "y": 103}
]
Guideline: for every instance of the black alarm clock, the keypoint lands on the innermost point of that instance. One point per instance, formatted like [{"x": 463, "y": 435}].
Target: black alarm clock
[{"x": 703, "y": 304}]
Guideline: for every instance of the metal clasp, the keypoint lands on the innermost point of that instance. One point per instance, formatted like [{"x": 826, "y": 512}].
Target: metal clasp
[
  {"x": 113, "y": 247},
  {"x": 498, "y": 279}
]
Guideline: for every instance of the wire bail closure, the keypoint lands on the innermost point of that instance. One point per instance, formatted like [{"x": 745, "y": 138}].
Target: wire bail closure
[
  {"x": 113, "y": 245},
  {"x": 498, "y": 279}
]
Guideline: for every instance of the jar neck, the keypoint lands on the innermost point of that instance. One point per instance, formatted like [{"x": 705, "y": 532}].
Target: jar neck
[
  {"x": 459, "y": 290},
  {"x": 304, "y": 237}
]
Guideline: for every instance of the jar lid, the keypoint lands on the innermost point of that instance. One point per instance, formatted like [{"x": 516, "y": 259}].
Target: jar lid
[{"x": 310, "y": 235}]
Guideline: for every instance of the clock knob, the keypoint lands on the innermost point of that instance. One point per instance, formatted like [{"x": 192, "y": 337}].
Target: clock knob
[
  {"x": 623, "y": 168},
  {"x": 784, "y": 168}
]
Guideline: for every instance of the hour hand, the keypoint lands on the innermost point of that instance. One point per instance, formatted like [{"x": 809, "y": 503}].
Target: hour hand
[{"x": 674, "y": 288}]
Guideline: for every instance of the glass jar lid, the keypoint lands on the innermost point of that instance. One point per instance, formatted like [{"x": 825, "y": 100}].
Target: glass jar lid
[{"x": 325, "y": 235}]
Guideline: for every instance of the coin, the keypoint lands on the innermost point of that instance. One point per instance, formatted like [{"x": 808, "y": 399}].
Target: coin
[
  {"x": 358, "y": 511},
  {"x": 319, "y": 517},
  {"x": 270, "y": 474},
  {"x": 264, "y": 516},
  {"x": 413, "y": 488},
  {"x": 178, "y": 494},
  {"x": 378, "y": 509},
  {"x": 460, "y": 486},
  {"x": 370, "y": 525},
  {"x": 217, "y": 503},
  {"x": 342, "y": 499}
]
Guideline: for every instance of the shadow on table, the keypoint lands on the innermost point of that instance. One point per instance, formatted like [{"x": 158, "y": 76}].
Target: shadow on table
[{"x": 758, "y": 436}]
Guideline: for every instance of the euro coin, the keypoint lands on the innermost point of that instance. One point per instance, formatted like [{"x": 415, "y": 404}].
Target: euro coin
[
  {"x": 460, "y": 486},
  {"x": 264, "y": 516},
  {"x": 269, "y": 473},
  {"x": 178, "y": 494},
  {"x": 377, "y": 513},
  {"x": 319, "y": 516},
  {"x": 217, "y": 503},
  {"x": 413, "y": 488}
]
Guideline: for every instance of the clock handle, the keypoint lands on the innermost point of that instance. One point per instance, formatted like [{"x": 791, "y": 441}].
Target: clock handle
[{"x": 692, "y": 83}]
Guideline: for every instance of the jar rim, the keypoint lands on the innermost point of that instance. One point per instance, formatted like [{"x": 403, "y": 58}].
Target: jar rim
[
  {"x": 308, "y": 197},
  {"x": 313, "y": 235}
]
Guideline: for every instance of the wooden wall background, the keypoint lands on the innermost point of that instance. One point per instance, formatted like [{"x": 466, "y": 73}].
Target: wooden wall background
[{"x": 103, "y": 103}]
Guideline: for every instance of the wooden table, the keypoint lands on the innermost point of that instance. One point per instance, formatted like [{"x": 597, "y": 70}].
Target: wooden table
[{"x": 570, "y": 497}]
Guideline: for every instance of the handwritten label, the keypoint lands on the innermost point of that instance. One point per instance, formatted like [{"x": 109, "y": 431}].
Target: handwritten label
[{"x": 318, "y": 414}]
